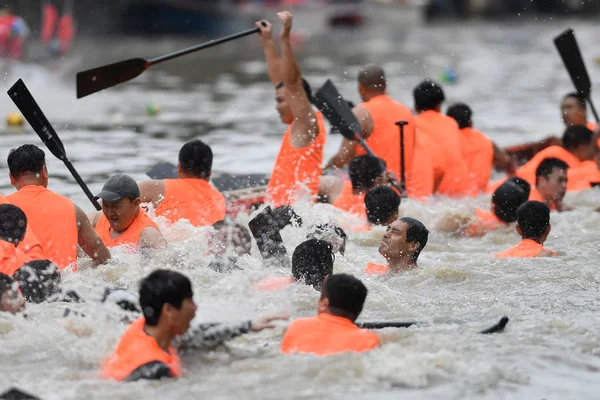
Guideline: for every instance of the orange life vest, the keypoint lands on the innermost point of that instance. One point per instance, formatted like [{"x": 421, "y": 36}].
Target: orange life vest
[
  {"x": 478, "y": 152},
  {"x": 131, "y": 236},
  {"x": 582, "y": 176},
  {"x": 327, "y": 334},
  {"x": 273, "y": 283},
  {"x": 534, "y": 195},
  {"x": 135, "y": 349},
  {"x": 30, "y": 244},
  {"x": 373, "y": 268},
  {"x": 527, "y": 171},
  {"x": 52, "y": 220},
  {"x": 192, "y": 199},
  {"x": 527, "y": 248},
  {"x": 11, "y": 258},
  {"x": 350, "y": 202},
  {"x": 420, "y": 182},
  {"x": 297, "y": 168},
  {"x": 486, "y": 221}
]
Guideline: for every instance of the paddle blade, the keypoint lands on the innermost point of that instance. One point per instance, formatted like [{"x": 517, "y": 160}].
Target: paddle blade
[
  {"x": 337, "y": 111},
  {"x": 21, "y": 96},
  {"x": 566, "y": 44},
  {"x": 163, "y": 171},
  {"x": 97, "y": 79}
]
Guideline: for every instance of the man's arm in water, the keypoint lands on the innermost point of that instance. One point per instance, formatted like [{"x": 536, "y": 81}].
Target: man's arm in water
[
  {"x": 502, "y": 160},
  {"x": 305, "y": 127},
  {"x": 152, "y": 238},
  {"x": 330, "y": 188},
  {"x": 347, "y": 149},
  {"x": 152, "y": 192},
  {"x": 271, "y": 55},
  {"x": 89, "y": 240}
]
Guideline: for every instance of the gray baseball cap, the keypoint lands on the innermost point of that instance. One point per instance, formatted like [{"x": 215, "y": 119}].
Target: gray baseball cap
[{"x": 117, "y": 187}]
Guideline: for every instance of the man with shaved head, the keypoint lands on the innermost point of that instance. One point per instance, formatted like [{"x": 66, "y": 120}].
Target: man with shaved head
[{"x": 378, "y": 115}]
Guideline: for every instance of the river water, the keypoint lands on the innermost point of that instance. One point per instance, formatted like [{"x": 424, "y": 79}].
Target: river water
[{"x": 511, "y": 75}]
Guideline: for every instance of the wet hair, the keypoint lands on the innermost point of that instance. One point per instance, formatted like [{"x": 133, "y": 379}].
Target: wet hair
[
  {"x": 241, "y": 241},
  {"x": 533, "y": 218},
  {"x": 547, "y": 166},
  {"x": 363, "y": 171},
  {"x": 381, "y": 203},
  {"x": 507, "y": 199},
  {"x": 312, "y": 261},
  {"x": 577, "y": 96},
  {"x": 163, "y": 287},
  {"x": 522, "y": 183},
  {"x": 372, "y": 77},
  {"x": 27, "y": 158},
  {"x": 38, "y": 280},
  {"x": 6, "y": 283},
  {"x": 462, "y": 113},
  {"x": 196, "y": 157},
  {"x": 325, "y": 232},
  {"x": 416, "y": 232},
  {"x": 575, "y": 136},
  {"x": 13, "y": 223},
  {"x": 346, "y": 295},
  {"x": 305, "y": 85},
  {"x": 428, "y": 95}
]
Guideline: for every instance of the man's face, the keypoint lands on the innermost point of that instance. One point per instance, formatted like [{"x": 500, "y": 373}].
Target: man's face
[
  {"x": 555, "y": 186},
  {"x": 12, "y": 300},
  {"x": 572, "y": 112},
  {"x": 283, "y": 108},
  {"x": 121, "y": 214},
  {"x": 394, "y": 244},
  {"x": 180, "y": 318}
]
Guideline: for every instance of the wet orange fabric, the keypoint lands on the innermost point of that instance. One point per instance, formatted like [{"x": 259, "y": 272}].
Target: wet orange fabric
[
  {"x": 420, "y": 181},
  {"x": 296, "y": 169},
  {"x": 450, "y": 171},
  {"x": 131, "y": 236},
  {"x": 592, "y": 127},
  {"x": 192, "y": 199},
  {"x": 534, "y": 195},
  {"x": 353, "y": 203},
  {"x": 478, "y": 152},
  {"x": 325, "y": 335},
  {"x": 384, "y": 140},
  {"x": 527, "y": 171},
  {"x": 273, "y": 283},
  {"x": 486, "y": 221},
  {"x": 526, "y": 249},
  {"x": 11, "y": 258},
  {"x": 135, "y": 349},
  {"x": 373, "y": 268},
  {"x": 52, "y": 219},
  {"x": 582, "y": 175},
  {"x": 30, "y": 244}
]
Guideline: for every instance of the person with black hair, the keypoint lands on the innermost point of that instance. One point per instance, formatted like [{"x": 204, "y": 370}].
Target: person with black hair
[
  {"x": 13, "y": 225},
  {"x": 381, "y": 204},
  {"x": 551, "y": 183},
  {"x": 298, "y": 167},
  {"x": 533, "y": 224},
  {"x": 332, "y": 330},
  {"x": 401, "y": 246},
  {"x": 149, "y": 347},
  {"x": 30, "y": 245},
  {"x": 451, "y": 176},
  {"x": 11, "y": 299},
  {"x": 478, "y": 151},
  {"x": 38, "y": 280},
  {"x": 573, "y": 111},
  {"x": 190, "y": 196}
]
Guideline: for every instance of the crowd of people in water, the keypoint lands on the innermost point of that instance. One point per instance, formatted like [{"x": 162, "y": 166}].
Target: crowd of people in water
[{"x": 43, "y": 233}]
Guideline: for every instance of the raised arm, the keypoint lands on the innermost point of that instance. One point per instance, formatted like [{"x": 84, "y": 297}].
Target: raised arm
[
  {"x": 152, "y": 191},
  {"x": 502, "y": 160},
  {"x": 273, "y": 61},
  {"x": 347, "y": 149},
  {"x": 89, "y": 240}
]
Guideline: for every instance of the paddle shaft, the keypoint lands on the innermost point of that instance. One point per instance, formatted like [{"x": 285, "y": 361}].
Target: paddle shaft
[
  {"x": 593, "y": 108},
  {"x": 401, "y": 124},
  {"x": 81, "y": 183},
  {"x": 202, "y": 46}
]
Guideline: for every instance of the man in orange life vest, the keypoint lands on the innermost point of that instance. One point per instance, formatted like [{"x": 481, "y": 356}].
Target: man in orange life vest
[
  {"x": 190, "y": 196},
  {"x": 401, "y": 246},
  {"x": 13, "y": 225},
  {"x": 451, "y": 176},
  {"x": 11, "y": 299},
  {"x": 332, "y": 331},
  {"x": 147, "y": 349},
  {"x": 30, "y": 244},
  {"x": 551, "y": 183},
  {"x": 58, "y": 223},
  {"x": 573, "y": 111},
  {"x": 381, "y": 205},
  {"x": 299, "y": 163},
  {"x": 478, "y": 151},
  {"x": 533, "y": 224},
  {"x": 122, "y": 220}
]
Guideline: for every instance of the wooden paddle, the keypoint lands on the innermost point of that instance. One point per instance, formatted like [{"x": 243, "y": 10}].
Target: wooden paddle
[
  {"x": 21, "y": 96},
  {"x": 333, "y": 106},
  {"x": 97, "y": 79},
  {"x": 567, "y": 47},
  {"x": 496, "y": 328}
]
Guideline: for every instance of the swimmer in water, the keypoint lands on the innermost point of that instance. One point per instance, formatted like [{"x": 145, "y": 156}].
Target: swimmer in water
[
  {"x": 381, "y": 204},
  {"x": 11, "y": 299},
  {"x": 330, "y": 233},
  {"x": 551, "y": 184}
]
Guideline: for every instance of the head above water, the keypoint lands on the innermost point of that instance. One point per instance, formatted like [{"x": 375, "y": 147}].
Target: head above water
[
  {"x": 330, "y": 233},
  {"x": 11, "y": 299},
  {"x": 195, "y": 160},
  {"x": 38, "y": 280},
  {"x": 371, "y": 81},
  {"x": 522, "y": 183},
  {"x": 120, "y": 197},
  {"x": 13, "y": 224},
  {"x": 404, "y": 239},
  {"x": 312, "y": 262},
  {"x": 462, "y": 113},
  {"x": 166, "y": 301},
  {"x": 581, "y": 142},
  {"x": 533, "y": 221},
  {"x": 382, "y": 204},
  {"x": 573, "y": 109},
  {"x": 507, "y": 199},
  {"x": 27, "y": 166},
  {"x": 342, "y": 295},
  {"x": 282, "y": 106},
  {"x": 366, "y": 172},
  {"x": 428, "y": 95},
  {"x": 230, "y": 239},
  {"x": 551, "y": 179}
]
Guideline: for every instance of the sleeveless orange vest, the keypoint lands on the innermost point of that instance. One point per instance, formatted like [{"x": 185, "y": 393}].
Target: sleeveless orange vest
[
  {"x": 420, "y": 183},
  {"x": 11, "y": 258},
  {"x": 131, "y": 236},
  {"x": 385, "y": 137},
  {"x": 486, "y": 222},
  {"x": 478, "y": 152},
  {"x": 327, "y": 334},
  {"x": 527, "y": 171},
  {"x": 296, "y": 168},
  {"x": 192, "y": 199},
  {"x": 581, "y": 176},
  {"x": 273, "y": 283},
  {"x": 450, "y": 170},
  {"x": 373, "y": 268},
  {"x": 52, "y": 219},
  {"x": 135, "y": 349},
  {"x": 350, "y": 202},
  {"x": 526, "y": 249},
  {"x": 30, "y": 244}
]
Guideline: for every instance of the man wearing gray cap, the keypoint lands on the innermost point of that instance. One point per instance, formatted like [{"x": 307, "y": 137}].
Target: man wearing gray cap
[{"x": 123, "y": 221}]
